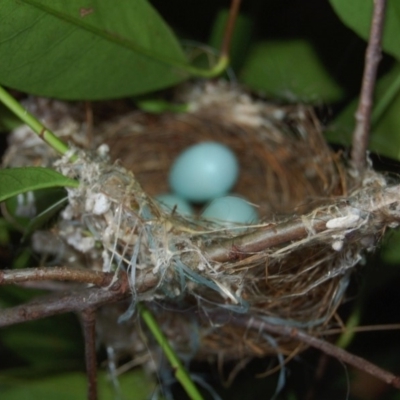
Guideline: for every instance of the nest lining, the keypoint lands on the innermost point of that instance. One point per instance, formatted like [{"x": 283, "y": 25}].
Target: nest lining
[{"x": 287, "y": 170}]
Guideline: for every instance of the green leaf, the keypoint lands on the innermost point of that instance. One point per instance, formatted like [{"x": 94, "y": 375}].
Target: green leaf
[
  {"x": 385, "y": 128},
  {"x": 73, "y": 386},
  {"x": 357, "y": 15},
  {"x": 96, "y": 50},
  {"x": 20, "y": 180},
  {"x": 290, "y": 70}
]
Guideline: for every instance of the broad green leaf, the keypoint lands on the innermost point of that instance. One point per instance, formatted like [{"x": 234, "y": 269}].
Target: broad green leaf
[
  {"x": 96, "y": 50},
  {"x": 357, "y": 15},
  {"x": 133, "y": 385},
  {"x": 289, "y": 70},
  {"x": 20, "y": 180},
  {"x": 385, "y": 127}
]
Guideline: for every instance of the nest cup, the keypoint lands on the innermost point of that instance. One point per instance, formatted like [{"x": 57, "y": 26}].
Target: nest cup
[
  {"x": 286, "y": 169},
  {"x": 285, "y": 163}
]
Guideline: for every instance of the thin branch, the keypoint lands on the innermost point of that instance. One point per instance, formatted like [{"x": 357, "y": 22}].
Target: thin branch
[
  {"x": 326, "y": 347},
  {"x": 89, "y": 330},
  {"x": 275, "y": 235},
  {"x": 75, "y": 301},
  {"x": 78, "y": 300},
  {"x": 364, "y": 328},
  {"x": 81, "y": 275},
  {"x": 299, "y": 228},
  {"x": 363, "y": 114},
  {"x": 45, "y": 134},
  {"x": 230, "y": 26}
]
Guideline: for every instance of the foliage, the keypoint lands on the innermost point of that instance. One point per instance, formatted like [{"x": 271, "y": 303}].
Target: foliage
[
  {"x": 108, "y": 50},
  {"x": 19, "y": 180},
  {"x": 73, "y": 385},
  {"x": 127, "y": 48}
]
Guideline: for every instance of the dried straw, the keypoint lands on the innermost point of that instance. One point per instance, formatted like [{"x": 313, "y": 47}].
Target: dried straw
[{"x": 291, "y": 269}]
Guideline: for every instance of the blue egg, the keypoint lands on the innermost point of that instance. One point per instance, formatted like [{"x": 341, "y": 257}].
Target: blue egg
[
  {"x": 170, "y": 201},
  {"x": 203, "y": 172},
  {"x": 230, "y": 210}
]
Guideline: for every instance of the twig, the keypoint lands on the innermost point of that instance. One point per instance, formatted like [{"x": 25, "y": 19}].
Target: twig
[
  {"x": 275, "y": 235},
  {"x": 80, "y": 275},
  {"x": 294, "y": 229},
  {"x": 364, "y": 328},
  {"x": 223, "y": 60},
  {"x": 299, "y": 228},
  {"x": 363, "y": 114},
  {"x": 75, "y": 301},
  {"x": 230, "y": 25},
  {"x": 89, "y": 330},
  {"x": 327, "y": 348}
]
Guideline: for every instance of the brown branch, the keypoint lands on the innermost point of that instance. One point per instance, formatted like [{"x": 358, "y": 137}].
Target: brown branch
[
  {"x": 275, "y": 235},
  {"x": 279, "y": 234},
  {"x": 363, "y": 114},
  {"x": 80, "y": 275},
  {"x": 89, "y": 330},
  {"x": 226, "y": 42},
  {"x": 299, "y": 228},
  {"x": 75, "y": 301},
  {"x": 326, "y": 347}
]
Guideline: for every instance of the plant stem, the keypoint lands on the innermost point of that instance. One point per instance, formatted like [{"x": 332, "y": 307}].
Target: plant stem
[
  {"x": 363, "y": 114},
  {"x": 89, "y": 329},
  {"x": 348, "y": 335},
  {"x": 47, "y": 306},
  {"x": 223, "y": 60},
  {"x": 230, "y": 25},
  {"x": 45, "y": 134},
  {"x": 216, "y": 70},
  {"x": 298, "y": 228},
  {"x": 81, "y": 275},
  {"x": 180, "y": 372}
]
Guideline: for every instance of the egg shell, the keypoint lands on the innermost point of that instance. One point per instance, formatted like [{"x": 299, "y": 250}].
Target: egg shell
[
  {"x": 169, "y": 201},
  {"x": 203, "y": 172},
  {"x": 230, "y": 210}
]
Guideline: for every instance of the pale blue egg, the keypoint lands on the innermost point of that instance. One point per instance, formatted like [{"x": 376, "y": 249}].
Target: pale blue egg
[
  {"x": 169, "y": 201},
  {"x": 230, "y": 210},
  {"x": 204, "y": 171}
]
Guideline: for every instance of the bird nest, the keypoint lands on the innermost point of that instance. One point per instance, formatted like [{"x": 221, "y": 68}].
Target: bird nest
[{"x": 291, "y": 269}]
